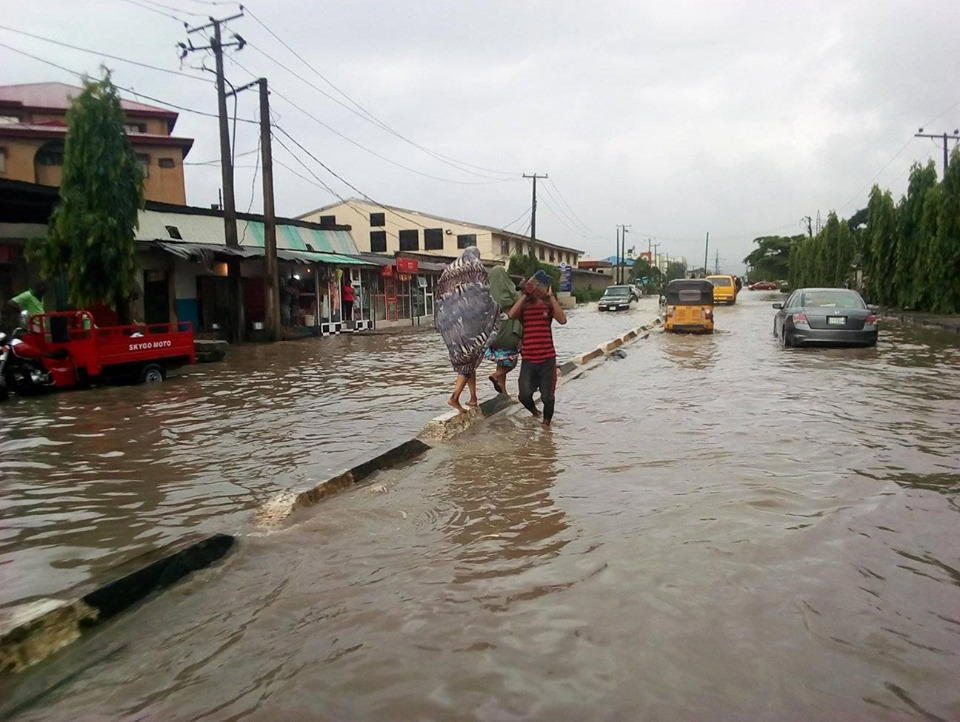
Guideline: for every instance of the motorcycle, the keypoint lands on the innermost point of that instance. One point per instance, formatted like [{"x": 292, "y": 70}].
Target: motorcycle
[{"x": 21, "y": 368}]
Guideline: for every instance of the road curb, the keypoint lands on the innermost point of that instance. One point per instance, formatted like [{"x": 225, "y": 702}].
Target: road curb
[{"x": 32, "y": 632}]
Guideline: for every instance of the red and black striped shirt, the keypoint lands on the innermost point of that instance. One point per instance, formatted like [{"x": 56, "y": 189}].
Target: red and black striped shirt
[{"x": 537, "y": 343}]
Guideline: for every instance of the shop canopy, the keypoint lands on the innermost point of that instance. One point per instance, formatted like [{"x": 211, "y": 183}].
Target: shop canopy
[{"x": 207, "y": 252}]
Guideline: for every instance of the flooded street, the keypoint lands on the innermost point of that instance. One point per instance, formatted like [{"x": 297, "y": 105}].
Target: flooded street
[
  {"x": 715, "y": 528},
  {"x": 91, "y": 478}
]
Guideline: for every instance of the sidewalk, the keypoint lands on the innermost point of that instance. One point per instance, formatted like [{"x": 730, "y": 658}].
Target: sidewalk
[{"x": 933, "y": 320}]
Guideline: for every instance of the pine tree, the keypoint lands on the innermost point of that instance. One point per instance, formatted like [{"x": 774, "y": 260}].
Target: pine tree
[{"x": 91, "y": 233}]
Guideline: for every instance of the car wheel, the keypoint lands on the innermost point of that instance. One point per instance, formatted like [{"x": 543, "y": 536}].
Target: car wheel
[
  {"x": 784, "y": 339},
  {"x": 152, "y": 374}
]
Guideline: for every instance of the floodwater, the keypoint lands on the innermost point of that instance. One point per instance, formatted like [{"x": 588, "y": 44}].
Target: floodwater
[
  {"x": 714, "y": 528},
  {"x": 89, "y": 479}
]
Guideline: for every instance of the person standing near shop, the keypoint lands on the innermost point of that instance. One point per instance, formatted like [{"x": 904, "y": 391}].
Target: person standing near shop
[
  {"x": 30, "y": 301},
  {"x": 538, "y": 357},
  {"x": 349, "y": 296}
]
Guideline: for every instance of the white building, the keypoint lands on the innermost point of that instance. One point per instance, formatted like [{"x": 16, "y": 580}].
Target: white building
[{"x": 388, "y": 229}]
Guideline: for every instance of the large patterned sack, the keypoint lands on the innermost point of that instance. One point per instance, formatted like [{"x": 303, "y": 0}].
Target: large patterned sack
[{"x": 466, "y": 312}]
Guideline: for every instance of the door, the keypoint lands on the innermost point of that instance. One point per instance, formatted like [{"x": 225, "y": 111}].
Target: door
[{"x": 156, "y": 297}]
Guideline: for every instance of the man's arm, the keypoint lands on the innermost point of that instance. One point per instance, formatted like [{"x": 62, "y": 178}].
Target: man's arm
[
  {"x": 558, "y": 315},
  {"x": 517, "y": 307}
]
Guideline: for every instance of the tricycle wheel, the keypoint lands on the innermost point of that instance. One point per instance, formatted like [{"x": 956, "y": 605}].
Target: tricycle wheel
[{"x": 152, "y": 374}]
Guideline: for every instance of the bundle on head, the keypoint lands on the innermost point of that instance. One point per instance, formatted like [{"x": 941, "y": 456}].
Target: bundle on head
[{"x": 538, "y": 285}]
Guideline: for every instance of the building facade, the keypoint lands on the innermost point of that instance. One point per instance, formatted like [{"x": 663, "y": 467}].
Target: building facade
[
  {"x": 33, "y": 127},
  {"x": 391, "y": 230}
]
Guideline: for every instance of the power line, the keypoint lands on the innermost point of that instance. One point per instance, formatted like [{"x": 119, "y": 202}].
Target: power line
[
  {"x": 526, "y": 212},
  {"x": 155, "y": 10},
  {"x": 553, "y": 183},
  {"x": 362, "y": 112},
  {"x": 104, "y": 55},
  {"x": 173, "y": 9},
  {"x": 118, "y": 87},
  {"x": 360, "y": 145}
]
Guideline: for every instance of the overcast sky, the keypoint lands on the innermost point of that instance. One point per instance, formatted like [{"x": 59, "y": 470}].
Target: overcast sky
[{"x": 679, "y": 118}]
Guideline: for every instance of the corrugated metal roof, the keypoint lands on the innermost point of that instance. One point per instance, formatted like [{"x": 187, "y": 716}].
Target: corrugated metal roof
[{"x": 195, "y": 228}]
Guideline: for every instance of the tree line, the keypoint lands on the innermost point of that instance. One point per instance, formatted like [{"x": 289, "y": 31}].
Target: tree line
[{"x": 904, "y": 253}]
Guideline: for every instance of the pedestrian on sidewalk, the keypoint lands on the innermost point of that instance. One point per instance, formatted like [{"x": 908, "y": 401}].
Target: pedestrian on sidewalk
[
  {"x": 504, "y": 349},
  {"x": 349, "y": 296},
  {"x": 538, "y": 308},
  {"x": 466, "y": 318}
]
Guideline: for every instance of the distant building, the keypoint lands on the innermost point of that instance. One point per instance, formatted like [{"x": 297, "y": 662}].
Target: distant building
[
  {"x": 392, "y": 230},
  {"x": 33, "y": 127}
]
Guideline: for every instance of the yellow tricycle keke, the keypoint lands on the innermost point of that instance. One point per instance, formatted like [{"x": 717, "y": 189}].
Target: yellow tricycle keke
[{"x": 688, "y": 306}]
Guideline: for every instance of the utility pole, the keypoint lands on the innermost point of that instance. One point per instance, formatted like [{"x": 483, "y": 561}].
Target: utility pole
[
  {"x": 946, "y": 136},
  {"x": 226, "y": 166},
  {"x": 533, "y": 209},
  {"x": 621, "y": 251},
  {"x": 656, "y": 255},
  {"x": 616, "y": 259},
  {"x": 716, "y": 269},
  {"x": 706, "y": 251},
  {"x": 272, "y": 285}
]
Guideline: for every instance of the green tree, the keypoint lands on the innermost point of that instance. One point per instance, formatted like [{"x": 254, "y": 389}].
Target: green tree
[
  {"x": 926, "y": 261},
  {"x": 943, "y": 265},
  {"x": 910, "y": 237},
  {"x": 881, "y": 238},
  {"x": 770, "y": 260},
  {"x": 676, "y": 269},
  {"x": 522, "y": 264},
  {"x": 845, "y": 253},
  {"x": 90, "y": 239}
]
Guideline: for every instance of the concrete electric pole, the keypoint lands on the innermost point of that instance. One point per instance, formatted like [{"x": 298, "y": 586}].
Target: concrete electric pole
[
  {"x": 533, "y": 209},
  {"x": 946, "y": 136},
  {"x": 226, "y": 166}
]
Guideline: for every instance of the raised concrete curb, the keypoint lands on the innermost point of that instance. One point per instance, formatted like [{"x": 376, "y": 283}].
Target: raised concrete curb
[
  {"x": 31, "y": 632},
  {"x": 945, "y": 323},
  {"x": 274, "y": 513}
]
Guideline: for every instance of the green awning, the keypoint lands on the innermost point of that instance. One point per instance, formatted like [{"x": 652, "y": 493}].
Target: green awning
[{"x": 334, "y": 259}]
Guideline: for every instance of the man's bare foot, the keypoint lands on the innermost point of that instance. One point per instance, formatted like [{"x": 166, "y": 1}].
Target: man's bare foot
[
  {"x": 546, "y": 422},
  {"x": 537, "y": 413},
  {"x": 472, "y": 403},
  {"x": 455, "y": 403}
]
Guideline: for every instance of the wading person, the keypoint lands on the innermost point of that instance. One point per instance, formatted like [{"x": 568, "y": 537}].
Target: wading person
[
  {"x": 466, "y": 318},
  {"x": 537, "y": 309},
  {"x": 504, "y": 349}
]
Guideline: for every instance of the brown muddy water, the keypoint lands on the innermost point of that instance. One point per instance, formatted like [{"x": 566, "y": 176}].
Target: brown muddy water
[
  {"x": 91, "y": 478},
  {"x": 715, "y": 528}
]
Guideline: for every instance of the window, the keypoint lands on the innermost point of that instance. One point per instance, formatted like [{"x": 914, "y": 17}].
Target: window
[
  {"x": 174, "y": 232},
  {"x": 465, "y": 240},
  {"x": 541, "y": 253},
  {"x": 433, "y": 239},
  {"x": 50, "y": 154},
  {"x": 144, "y": 160},
  {"x": 504, "y": 248},
  {"x": 328, "y": 220},
  {"x": 409, "y": 240},
  {"x": 135, "y": 127},
  {"x": 7, "y": 119},
  {"x": 378, "y": 219},
  {"x": 553, "y": 255},
  {"x": 378, "y": 241},
  {"x": 166, "y": 163}
]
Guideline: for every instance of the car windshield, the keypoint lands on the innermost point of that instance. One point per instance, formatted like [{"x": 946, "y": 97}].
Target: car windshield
[
  {"x": 617, "y": 291},
  {"x": 720, "y": 281},
  {"x": 831, "y": 299}
]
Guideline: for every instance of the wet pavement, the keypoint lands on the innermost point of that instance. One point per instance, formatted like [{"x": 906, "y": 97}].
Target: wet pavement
[
  {"x": 91, "y": 478},
  {"x": 715, "y": 528}
]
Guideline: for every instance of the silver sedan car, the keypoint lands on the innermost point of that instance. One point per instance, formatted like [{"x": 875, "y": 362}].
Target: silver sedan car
[{"x": 827, "y": 316}]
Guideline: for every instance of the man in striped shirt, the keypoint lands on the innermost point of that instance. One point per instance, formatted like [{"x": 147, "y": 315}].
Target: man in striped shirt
[{"x": 538, "y": 366}]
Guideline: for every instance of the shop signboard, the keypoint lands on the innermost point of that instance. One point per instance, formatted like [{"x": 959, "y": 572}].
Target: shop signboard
[{"x": 566, "y": 278}]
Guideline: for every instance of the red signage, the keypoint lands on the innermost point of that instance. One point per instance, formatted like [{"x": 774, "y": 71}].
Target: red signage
[
  {"x": 386, "y": 272},
  {"x": 407, "y": 265}
]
